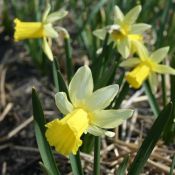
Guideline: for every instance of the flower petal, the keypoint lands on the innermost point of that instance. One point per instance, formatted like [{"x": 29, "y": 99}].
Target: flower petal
[
  {"x": 47, "y": 50},
  {"x": 100, "y": 33},
  {"x": 81, "y": 86},
  {"x": 164, "y": 69},
  {"x": 132, "y": 15},
  {"x": 50, "y": 31},
  {"x": 46, "y": 12},
  {"x": 153, "y": 81},
  {"x": 139, "y": 28},
  {"x": 141, "y": 50},
  {"x": 131, "y": 62},
  {"x": 124, "y": 47},
  {"x": 159, "y": 54},
  {"x": 65, "y": 134},
  {"x": 96, "y": 131},
  {"x": 110, "y": 118},
  {"x": 62, "y": 103},
  {"x": 102, "y": 98},
  {"x": 56, "y": 16},
  {"x": 118, "y": 15}
]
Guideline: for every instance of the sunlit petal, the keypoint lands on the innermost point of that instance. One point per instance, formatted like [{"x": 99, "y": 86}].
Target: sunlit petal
[
  {"x": 111, "y": 118},
  {"x": 46, "y": 12},
  {"x": 159, "y": 54},
  {"x": 153, "y": 81},
  {"x": 51, "y": 18},
  {"x": 141, "y": 50},
  {"x": 132, "y": 15},
  {"x": 50, "y": 31},
  {"x": 102, "y": 98},
  {"x": 118, "y": 15},
  {"x": 47, "y": 50},
  {"x": 96, "y": 131},
  {"x": 131, "y": 62},
  {"x": 100, "y": 33},
  {"x": 164, "y": 69},
  {"x": 124, "y": 47},
  {"x": 81, "y": 86},
  {"x": 139, "y": 28},
  {"x": 63, "y": 103}
]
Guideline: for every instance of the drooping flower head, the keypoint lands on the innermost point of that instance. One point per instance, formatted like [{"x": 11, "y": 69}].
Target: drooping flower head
[
  {"x": 85, "y": 112},
  {"x": 125, "y": 33},
  {"x": 146, "y": 66},
  {"x": 43, "y": 29}
]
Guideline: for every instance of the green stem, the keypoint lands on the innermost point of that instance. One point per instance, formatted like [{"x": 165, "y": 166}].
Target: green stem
[
  {"x": 97, "y": 144},
  {"x": 97, "y": 64},
  {"x": 69, "y": 65},
  {"x": 122, "y": 95},
  {"x": 55, "y": 75},
  {"x": 151, "y": 98},
  {"x": 172, "y": 165},
  {"x": 76, "y": 164},
  {"x": 164, "y": 96}
]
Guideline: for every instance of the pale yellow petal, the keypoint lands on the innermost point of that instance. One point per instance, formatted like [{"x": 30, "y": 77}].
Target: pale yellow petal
[
  {"x": 118, "y": 15},
  {"x": 124, "y": 47},
  {"x": 63, "y": 103},
  {"x": 153, "y": 81},
  {"x": 81, "y": 86},
  {"x": 46, "y": 12},
  {"x": 47, "y": 50},
  {"x": 164, "y": 69},
  {"x": 53, "y": 17},
  {"x": 50, "y": 31},
  {"x": 132, "y": 15},
  {"x": 96, "y": 131},
  {"x": 159, "y": 54},
  {"x": 100, "y": 33},
  {"x": 110, "y": 118},
  {"x": 141, "y": 50},
  {"x": 131, "y": 62},
  {"x": 139, "y": 28},
  {"x": 102, "y": 98}
]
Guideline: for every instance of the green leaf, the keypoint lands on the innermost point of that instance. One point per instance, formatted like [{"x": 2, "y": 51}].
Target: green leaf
[
  {"x": 172, "y": 165},
  {"x": 151, "y": 98},
  {"x": 168, "y": 134},
  {"x": 44, "y": 148},
  {"x": 76, "y": 164},
  {"x": 92, "y": 13},
  {"x": 97, "y": 145},
  {"x": 122, "y": 168},
  {"x": 58, "y": 78},
  {"x": 55, "y": 75},
  {"x": 69, "y": 65},
  {"x": 122, "y": 95},
  {"x": 150, "y": 141}
]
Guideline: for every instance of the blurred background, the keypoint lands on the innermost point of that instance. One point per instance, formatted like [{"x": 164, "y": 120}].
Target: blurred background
[{"x": 24, "y": 65}]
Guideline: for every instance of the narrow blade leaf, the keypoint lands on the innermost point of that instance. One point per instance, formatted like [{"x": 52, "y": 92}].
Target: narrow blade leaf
[
  {"x": 44, "y": 148},
  {"x": 150, "y": 141},
  {"x": 122, "y": 168}
]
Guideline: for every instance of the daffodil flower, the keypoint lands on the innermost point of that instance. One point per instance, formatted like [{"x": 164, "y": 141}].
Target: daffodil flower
[
  {"x": 43, "y": 29},
  {"x": 147, "y": 67},
  {"x": 85, "y": 112},
  {"x": 125, "y": 33}
]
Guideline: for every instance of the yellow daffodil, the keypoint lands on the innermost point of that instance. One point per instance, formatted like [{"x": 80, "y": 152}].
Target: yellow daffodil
[
  {"x": 147, "y": 67},
  {"x": 85, "y": 112},
  {"x": 43, "y": 29},
  {"x": 124, "y": 32}
]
